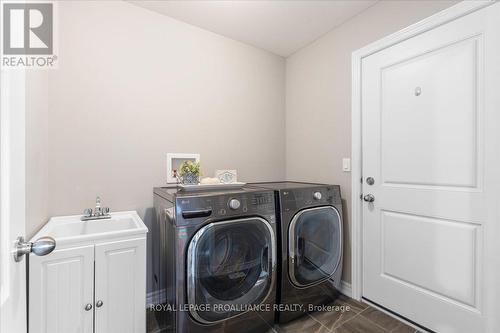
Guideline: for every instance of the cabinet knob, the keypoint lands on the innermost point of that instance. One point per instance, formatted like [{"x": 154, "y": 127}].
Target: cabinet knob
[
  {"x": 99, "y": 303},
  {"x": 88, "y": 307}
]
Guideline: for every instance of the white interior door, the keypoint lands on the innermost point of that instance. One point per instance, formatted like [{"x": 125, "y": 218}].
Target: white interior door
[
  {"x": 12, "y": 201},
  {"x": 430, "y": 128}
]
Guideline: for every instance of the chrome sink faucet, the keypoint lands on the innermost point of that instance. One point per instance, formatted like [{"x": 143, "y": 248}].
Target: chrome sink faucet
[{"x": 99, "y": 213}]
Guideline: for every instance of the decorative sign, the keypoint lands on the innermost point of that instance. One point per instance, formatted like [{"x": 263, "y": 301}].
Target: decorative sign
[{"x": 226, "y": 176}]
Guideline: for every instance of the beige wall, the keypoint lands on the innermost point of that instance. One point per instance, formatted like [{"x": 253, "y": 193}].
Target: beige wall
[
  {"x": 318, "y": 96},
  {"x": 133, "y": 85},
  {"x": 37, "y": 176}
]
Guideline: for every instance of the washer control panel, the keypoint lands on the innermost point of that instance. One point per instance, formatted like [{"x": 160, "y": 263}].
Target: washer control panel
[{"x": 196, "y": 208}]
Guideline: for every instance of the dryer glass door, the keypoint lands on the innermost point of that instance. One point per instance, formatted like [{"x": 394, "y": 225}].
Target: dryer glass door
[
  {"x": 230, "y": 268},
  {"x": 315, "y": 245}
]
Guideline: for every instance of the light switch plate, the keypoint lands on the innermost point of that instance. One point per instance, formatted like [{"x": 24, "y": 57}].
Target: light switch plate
[{"x": 346, "y": 164}]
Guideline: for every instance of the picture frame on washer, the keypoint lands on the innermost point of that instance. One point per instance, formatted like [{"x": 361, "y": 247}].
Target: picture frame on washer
[{"x": 174, "y": 161}]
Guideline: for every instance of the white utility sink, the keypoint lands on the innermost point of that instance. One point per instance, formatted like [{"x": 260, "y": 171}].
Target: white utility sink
[{"x": 72, "y": 229}]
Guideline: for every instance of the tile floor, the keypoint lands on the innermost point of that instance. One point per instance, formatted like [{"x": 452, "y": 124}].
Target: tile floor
[{"x": 361, "y": 318}]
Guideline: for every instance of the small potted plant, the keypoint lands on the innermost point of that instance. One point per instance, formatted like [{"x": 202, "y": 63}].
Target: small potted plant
[{"x": 189, "y": 173}]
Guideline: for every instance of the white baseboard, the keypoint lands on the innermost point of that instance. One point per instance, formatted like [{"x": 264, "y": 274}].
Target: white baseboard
[
  {"x": 156, "y": 297},
  {"x": 345, "y": 288}
]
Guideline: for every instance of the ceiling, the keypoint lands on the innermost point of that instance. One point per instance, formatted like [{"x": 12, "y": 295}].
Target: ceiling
[{"x": 281, "y": 27}]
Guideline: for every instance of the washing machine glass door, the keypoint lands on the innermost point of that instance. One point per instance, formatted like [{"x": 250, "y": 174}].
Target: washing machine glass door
[
  {"x": 315, "y": 245},
  {"x": 230, "y": 268}
]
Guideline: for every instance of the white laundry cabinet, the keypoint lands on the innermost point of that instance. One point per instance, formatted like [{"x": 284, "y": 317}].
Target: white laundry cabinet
[{"x": 95, "y": 285}]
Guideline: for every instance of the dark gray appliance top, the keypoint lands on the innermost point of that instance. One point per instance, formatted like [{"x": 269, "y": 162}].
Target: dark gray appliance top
[
  {"x": 197, "y": 206},
  {"x": 171, "y": 192},
  {"x": 286, "y": 185}
]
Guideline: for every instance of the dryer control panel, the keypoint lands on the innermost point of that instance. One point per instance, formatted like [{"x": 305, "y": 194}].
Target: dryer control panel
[{"x": 292, "y": 199}]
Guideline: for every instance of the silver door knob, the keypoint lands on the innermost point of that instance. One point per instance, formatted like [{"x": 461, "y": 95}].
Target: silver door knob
[
  {"x": 369, "y": 198},
  {"x": 88, "y": 307},
  {"x": 43, "y": 246},
  {"x": 40, "y": 247},
  {"x": 99, "y": 303}
]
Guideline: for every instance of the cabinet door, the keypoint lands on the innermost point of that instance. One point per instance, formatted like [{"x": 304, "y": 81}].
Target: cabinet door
[
  {"x": 60, "y": 286},
  {"x": 120, "y": 284}
]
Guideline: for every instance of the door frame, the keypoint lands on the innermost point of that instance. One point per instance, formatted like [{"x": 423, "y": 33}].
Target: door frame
[
  {"x": 447, "y": 15},
  {"x": 13, "y": 314}
]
